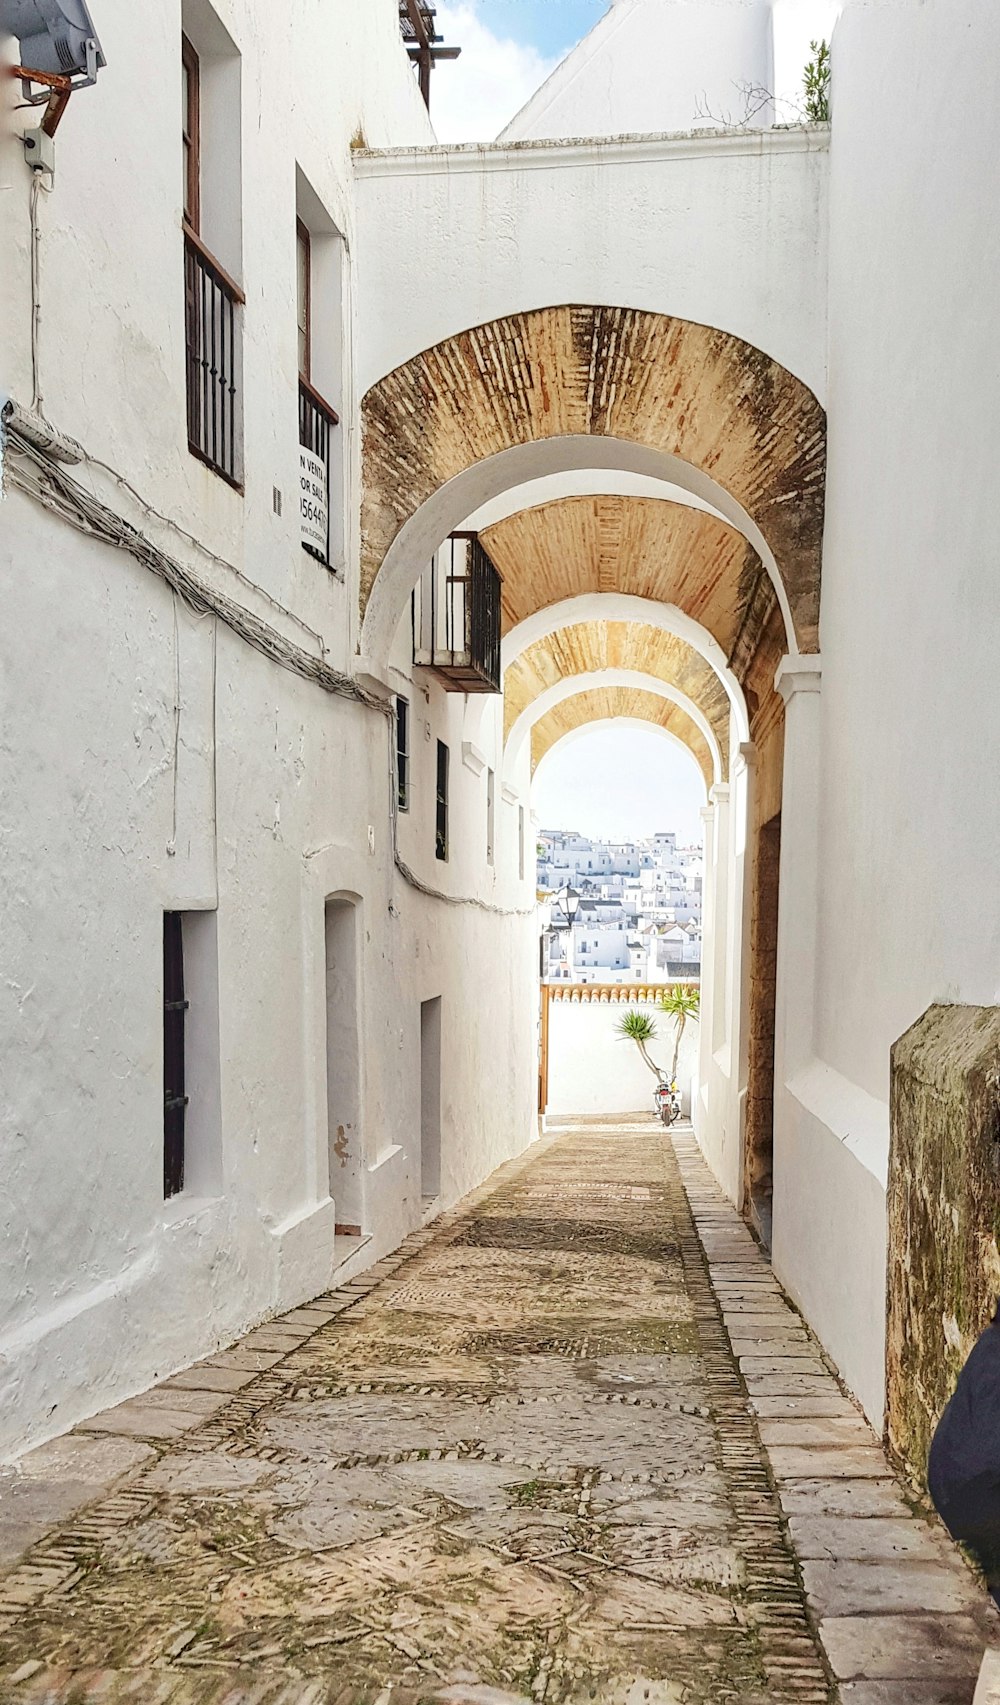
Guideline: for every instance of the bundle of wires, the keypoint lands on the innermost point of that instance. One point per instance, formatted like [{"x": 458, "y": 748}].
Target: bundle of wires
[{"x": 40, "y": 476}]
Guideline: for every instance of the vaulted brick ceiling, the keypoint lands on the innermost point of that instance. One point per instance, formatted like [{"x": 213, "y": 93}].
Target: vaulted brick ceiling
[
  {"x": 636, "y": 646},
  {"x": 645, "y": 547},
  {"x": 695, "y": 392},
  {"x": 600, "y": 704}
]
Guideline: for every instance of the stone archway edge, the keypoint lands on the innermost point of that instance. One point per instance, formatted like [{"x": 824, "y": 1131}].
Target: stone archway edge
[{"x": 663, "y": 396}]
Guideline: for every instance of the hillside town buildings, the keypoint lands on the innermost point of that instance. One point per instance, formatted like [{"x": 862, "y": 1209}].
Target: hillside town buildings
[
  {"x": 345, "y": 476},
  {"x": 637, "y": 915}
]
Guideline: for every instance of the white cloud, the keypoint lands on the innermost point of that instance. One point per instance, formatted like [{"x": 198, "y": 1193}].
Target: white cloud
[{"x": 473, "y": 98}]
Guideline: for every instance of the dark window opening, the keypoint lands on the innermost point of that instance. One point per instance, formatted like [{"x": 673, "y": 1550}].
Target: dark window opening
[
  {"x": 403, "y": 753},
  {"x": 174, "y": 1098},
  {"x": 441, "y": 797}
]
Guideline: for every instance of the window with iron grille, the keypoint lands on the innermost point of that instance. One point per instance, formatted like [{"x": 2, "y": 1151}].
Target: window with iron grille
[
  {"x": 317, "y": 257},
  {"x": 174, "y": 1098},
  {"x": 213, "y": 300},
  {"x": 403, "y": 753},
  {"x": 441, "y": 803}
]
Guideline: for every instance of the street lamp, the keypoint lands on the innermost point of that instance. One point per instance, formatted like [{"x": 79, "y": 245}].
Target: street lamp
[{"x": 569, "y": 900}]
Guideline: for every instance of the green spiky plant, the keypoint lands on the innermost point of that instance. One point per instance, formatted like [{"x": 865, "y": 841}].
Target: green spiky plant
[
  {"x": 816, "y": 84},
  {"x": 640, "y": 1028},
  {"x": 681, "y": 1003}
]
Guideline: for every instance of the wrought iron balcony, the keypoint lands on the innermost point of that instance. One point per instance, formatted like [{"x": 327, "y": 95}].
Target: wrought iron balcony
[{"x": 456, "y": 617}]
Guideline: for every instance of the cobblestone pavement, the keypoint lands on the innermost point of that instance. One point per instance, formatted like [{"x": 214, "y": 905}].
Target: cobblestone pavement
[{"x": 517, "y": 1461}]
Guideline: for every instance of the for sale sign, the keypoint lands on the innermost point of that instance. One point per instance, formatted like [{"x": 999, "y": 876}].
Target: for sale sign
[{"x": 312, "y": 500}]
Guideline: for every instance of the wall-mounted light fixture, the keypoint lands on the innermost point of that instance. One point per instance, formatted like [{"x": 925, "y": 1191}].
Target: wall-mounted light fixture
[{"x": 59, "y": 51}]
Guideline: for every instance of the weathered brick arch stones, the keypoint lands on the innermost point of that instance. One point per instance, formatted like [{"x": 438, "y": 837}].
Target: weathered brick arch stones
[{"x": 697, "y": 393}]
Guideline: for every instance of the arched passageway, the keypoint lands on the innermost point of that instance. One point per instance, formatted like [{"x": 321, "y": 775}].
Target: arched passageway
[
  {"x": 705, "y": 544},
  {"x": 578, "y": 709},
  {"x": 632, "y": 648},
  {"x": 724, "y": 418}
]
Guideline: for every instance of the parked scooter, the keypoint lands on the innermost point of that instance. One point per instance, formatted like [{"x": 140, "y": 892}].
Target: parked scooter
[{"x": 666, "y": 1102}]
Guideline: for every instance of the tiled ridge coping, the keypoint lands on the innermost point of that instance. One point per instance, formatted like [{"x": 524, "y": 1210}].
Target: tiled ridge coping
[{"x": 901, "y": 1618}]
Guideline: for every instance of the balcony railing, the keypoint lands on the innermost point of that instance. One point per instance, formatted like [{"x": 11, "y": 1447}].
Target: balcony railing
[
  {"x": 316, "y": 423},
  {"x": 211, "y": 304},
  {"x": 456, "y": 617}
]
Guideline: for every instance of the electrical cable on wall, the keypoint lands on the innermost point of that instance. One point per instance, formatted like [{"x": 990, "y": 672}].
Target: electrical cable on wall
[{"x": 42, "y": 478}]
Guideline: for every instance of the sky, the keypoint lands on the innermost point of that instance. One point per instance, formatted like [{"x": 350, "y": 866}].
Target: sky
[
  {"x": 610, "y": 782},
  {"x": 620, "y": 783},
  {"x": 508, "y": 49}
]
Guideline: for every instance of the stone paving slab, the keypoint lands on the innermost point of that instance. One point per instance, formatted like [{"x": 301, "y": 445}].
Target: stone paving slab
[
  {"x": 529, "y": 1459},
  {"x": 865, "y": 1537},
  {"x": 901, "y": 1618},
  {"x": 514, "y": 1463}
]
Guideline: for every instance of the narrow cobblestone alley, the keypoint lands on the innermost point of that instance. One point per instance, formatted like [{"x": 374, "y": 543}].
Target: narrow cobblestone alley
[{"x": 516, "y": 1461}]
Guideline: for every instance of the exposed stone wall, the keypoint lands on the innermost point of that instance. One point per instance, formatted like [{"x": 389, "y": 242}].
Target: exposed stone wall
[
  {"x": 944, "y": 1212},
  {"x": 694, "y": 391},
  {"x": 758, "y": 1152}
]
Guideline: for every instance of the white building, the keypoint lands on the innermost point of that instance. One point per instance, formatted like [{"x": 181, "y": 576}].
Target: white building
[{"x": 706, "y": 399}]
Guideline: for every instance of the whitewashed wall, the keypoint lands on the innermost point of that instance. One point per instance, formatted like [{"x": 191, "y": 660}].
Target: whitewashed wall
[
  {"x": 909, "y": 727},
  {"x": 266, "y": 806},
  {"x": 729, "y": 231},
  {"x": 656, "y": 65},
  {"x": 593, "y": 1070}
]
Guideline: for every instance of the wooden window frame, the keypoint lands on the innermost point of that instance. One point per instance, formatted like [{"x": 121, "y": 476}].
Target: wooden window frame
[
  {"x": 304, "y": 235},
  {"x": 191, "y": 135}
]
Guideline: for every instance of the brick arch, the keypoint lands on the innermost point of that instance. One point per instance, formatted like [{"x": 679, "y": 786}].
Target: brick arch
[
  {"x": 609, "y": 704},
  {"x": 587, "y": 648},
  {"x": 689, "y": 392}
]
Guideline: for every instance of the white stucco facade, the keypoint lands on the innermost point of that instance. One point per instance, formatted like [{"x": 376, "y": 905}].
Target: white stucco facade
[
  {"x": 155, "y": 760},
  {"x": 165, "y": 765}
]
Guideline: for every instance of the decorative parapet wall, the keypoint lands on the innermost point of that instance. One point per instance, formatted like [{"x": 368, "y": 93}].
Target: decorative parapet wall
[
  {"x": 944, "y": 1213},
  {"x": 621, "y": 994}
]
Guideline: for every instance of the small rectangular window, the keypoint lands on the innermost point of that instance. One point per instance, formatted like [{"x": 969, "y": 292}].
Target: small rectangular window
[
  {"x": 403, "y": 753},
  {"x": 174, "y": 1098},
  {"x": 520, "y": 842},
  {"x": 490, "y": 814},
  {"x": 441, "y": 803}
]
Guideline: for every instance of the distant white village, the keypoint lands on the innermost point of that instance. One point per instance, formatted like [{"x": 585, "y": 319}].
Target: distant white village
[{"x": 618, "y": 911}]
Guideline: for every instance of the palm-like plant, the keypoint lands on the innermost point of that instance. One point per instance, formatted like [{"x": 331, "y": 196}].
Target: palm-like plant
[
  {"x": 681, "y": 1002},
  {"x": 640, "y": 1028}
]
